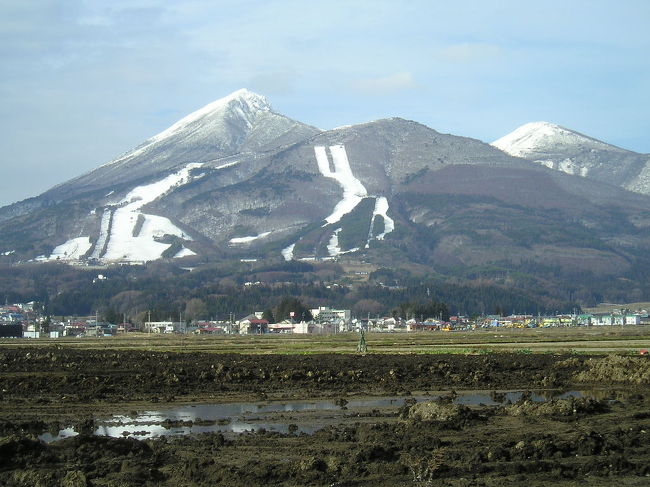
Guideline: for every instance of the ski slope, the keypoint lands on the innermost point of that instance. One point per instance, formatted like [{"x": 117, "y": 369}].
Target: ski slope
[{"x": 353, "y": 189}]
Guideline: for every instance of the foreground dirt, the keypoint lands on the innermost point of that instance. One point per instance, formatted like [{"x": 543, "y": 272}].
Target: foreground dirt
[{"x": 601, "y": 441}]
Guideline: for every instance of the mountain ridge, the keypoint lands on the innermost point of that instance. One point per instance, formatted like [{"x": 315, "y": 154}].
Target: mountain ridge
[
  {"x": 221, "y": 185},
  {"x": 571, "y": 152}
]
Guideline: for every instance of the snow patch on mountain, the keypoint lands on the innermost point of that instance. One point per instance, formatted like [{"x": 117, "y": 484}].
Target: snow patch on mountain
[
  {"x": 381, "y": 209},
  {"x": 228, "y": 164},
  {"x": 353, "y": 190},
  {"x": 566, "y": 165},
  {"x": 541, "y": 137},
  {"x": 353, "y": 193},
  {"x": 184, "y": 252},
  {"x": 641, "y": 183},
  {"x": 333, "y": 248},
  {"x": 122, "y": 242},
  {"x": 287, "y": 252},
  {"x": 73, "y": 249},
  {"x": 245, "y": 240},
  {"x": 104, "y": 228}
]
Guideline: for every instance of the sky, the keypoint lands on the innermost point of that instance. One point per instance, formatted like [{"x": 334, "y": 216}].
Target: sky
[{"x": 83, "y": 81}]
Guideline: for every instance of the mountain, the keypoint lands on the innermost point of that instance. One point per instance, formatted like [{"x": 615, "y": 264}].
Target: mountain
[
  {"x": 236, "y": 181},
  {"x": 238, "y": 123},
  {"x": 574, "y": 153}
]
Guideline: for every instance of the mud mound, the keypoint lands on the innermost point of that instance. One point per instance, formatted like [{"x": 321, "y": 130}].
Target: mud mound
[
  {"x": 562, "y": 442},
  {"x": 556, "y": 408},
  {"x": 82, "y": 376},
  {"x": 616, "y": 369},
  {"x": 435, "y": 411}
]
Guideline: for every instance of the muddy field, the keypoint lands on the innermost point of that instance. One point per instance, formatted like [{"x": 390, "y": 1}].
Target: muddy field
[{"x": 599, "y": 437}]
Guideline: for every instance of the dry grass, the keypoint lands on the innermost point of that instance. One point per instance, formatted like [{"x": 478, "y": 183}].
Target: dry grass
[{"x": 606, "y": 339}]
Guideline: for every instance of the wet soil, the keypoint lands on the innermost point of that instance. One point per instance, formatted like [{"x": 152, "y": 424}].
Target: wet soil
[{"x": 573, "y": 441}]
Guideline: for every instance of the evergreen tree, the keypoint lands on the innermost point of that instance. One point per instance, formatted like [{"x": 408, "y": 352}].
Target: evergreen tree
[
  {"x": 290, "y": 305},
  {"x": 268, "y": 315}
]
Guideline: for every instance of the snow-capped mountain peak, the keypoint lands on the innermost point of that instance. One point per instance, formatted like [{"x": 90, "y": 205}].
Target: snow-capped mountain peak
[
  {"x": 242, "y": 103},
  {"x": 237, "y": 112},
  {"x": 543, "y": 137},
  {"x": 571, "y": 152}
]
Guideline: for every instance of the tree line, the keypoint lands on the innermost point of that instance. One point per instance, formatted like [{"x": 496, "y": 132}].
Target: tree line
[{"x": 163, "y": 292}]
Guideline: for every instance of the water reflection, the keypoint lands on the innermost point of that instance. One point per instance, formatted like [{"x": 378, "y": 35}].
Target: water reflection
[{"x": 237, "y": 418}]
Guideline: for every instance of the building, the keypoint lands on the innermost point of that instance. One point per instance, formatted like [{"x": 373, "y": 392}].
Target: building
[
  {"x": 253, "y": 325},
  {"x": 615, "y": 319},
  {"x": 159, "y": 326},
  {"x": 324, "y": 314}
]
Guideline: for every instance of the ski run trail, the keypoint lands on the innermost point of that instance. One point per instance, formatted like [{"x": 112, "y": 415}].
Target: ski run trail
[{"x": 353, "y": 193}]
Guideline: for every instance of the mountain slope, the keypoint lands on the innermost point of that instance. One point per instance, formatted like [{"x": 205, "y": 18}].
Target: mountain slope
[
  {"x": 574, "y": 153},
  {"x": 236, "y": 181},
  {"x": 240, "y": 122}
]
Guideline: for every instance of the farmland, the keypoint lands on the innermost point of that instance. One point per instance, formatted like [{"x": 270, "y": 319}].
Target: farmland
[{"x": 558, "y": 406}]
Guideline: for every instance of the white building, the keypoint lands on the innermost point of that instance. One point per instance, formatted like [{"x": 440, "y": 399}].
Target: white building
[
  {"x": 616, "y": 319},
  {"x": 325, "y": 314},
  {"x": 159, "y": 326}
]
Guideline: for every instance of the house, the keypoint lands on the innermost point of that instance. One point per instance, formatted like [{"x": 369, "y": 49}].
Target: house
[
  {"x": 252, "y": 325},
  {"x": 284, "y": 327},
  {"x": 209, "y": 330},
  {"x": 75, "y": 328},
  {"x": 303, "y": 327},
  {"x": 387, "y": 322}
]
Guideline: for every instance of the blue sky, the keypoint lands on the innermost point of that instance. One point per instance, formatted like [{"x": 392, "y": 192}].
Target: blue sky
[{"x": 84, "y": 81}]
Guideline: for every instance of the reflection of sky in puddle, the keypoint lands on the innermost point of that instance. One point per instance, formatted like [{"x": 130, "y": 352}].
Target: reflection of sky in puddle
[
  {"x": 243, "y": 417},
  {"x": 64, "y": 433},
  {"x": 155, "y": 430}
]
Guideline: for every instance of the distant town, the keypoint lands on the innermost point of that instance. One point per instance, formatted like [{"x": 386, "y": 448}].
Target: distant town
[{"x": 25, "y": 320}]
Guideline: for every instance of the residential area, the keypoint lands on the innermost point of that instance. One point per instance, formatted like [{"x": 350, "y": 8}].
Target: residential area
[{"x": 25, "y": 320}]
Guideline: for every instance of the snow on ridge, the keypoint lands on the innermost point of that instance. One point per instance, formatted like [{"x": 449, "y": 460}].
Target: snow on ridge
[
  {"x": 228, "y": 164},
  {"x": 361, "y": 124},
  {"x": 536, "y": 137},
  {"x": 353, "y": 190},
  {"x": 245, "y": 240},
  {"x": 142, "y": 195},
  {"x": 244, "y": 102}
]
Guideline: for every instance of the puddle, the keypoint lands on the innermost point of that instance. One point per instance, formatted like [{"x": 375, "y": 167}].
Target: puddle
[{"x": 237, "y": 418}]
